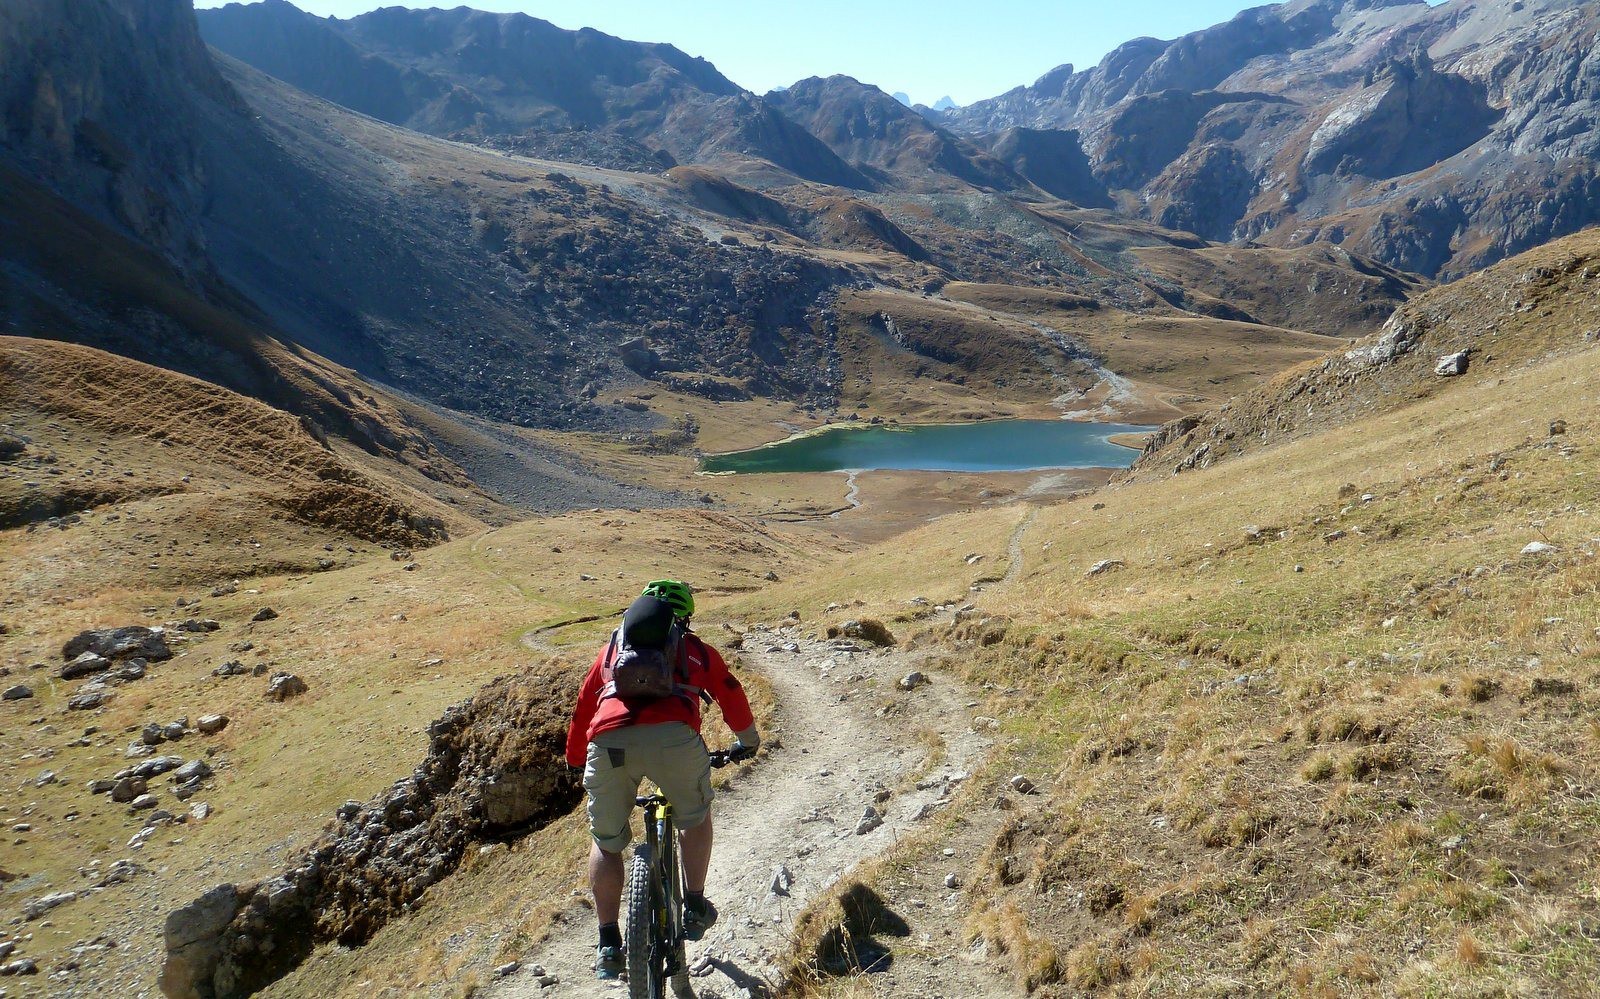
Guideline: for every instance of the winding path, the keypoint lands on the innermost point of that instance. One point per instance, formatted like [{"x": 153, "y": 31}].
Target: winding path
[{"x": 845, "y": 735}]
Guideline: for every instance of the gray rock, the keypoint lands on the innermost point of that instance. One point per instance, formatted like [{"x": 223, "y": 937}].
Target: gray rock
[
  {"x": 173, "y": 731},
  {"x": 199, "y": 811},
  {"x": 45, "y": 779},
  {"x": 119, "y": 643},
  {"x": 90, "y": 700},
  {"x": 952, "y": 880},
  {"x": 231, "y": 668},
  {"x": 912, "y": 680},
  {"x": 7, "y": 948},
  {"x": 201, "y": 626},
  {"x": 283, "y": 686},
  {"x": 138, "y": 749},
  {"x": 509, "y": 968},
  {"x": 870, "y": 820},
  {"x": 264, "y": 614},
  {"x": 101, "y": 785},
  {"x": 132, "y": 669},
  {"x": 157, "y": 766},
  {"x": 142, "y": 802},
  {"x": 1105, "y": 565},
  {"x": 151, "y": 734},
  {"x": 20, "y": 692},
  {"x": 128, "y": 788},
  {"x": 85, "y": 665},
  {"x": 34, "y": 908},
  {"x": 1538, "y": 548},
  {"x": 193, "y": 770},
  {"x": 159, "y": 816},
  {"x": 782, "y": 881},
  {"x": 211, "y": 724},
  {"x": 22, "y": 966},
  {"x": 1022, "y": 785},
  {"x": 193, "y": 937},
  {"x": 1450, "y": 365}
]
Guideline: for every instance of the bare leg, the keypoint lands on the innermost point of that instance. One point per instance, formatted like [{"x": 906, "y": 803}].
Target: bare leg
[
  {"x": 605, "y": 879},
  {"x": 695, "y": 845}
]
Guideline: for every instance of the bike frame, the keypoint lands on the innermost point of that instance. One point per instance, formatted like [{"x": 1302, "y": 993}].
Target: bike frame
[{"x": 660, "y": 837}]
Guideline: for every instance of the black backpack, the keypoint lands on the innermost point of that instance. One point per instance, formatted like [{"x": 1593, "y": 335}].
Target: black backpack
[{"x": 637, "y": 675}]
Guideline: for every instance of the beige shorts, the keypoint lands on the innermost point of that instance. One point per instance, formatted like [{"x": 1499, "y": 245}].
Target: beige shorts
[{"x": 670, "y": 754}]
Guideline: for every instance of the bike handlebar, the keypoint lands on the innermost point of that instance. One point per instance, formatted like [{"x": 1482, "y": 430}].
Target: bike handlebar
[{"x": 723, "y": 757}]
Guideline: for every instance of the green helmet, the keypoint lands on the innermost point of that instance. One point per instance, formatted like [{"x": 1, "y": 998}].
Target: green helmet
[{"x": 678, "y": 595}]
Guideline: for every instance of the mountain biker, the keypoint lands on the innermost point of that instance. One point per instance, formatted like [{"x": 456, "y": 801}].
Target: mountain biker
[{"x": 619, "y": 741}]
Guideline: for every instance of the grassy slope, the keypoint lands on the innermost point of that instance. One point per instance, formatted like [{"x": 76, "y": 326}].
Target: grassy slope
[{"x": 1377, "y": 774}]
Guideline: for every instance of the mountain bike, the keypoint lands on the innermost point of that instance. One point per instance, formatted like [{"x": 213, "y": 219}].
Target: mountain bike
[{"x": 654, "y": 900}]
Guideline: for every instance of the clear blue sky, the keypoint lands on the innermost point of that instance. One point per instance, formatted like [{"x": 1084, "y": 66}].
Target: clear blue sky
[{"x": 969, "y": 50}]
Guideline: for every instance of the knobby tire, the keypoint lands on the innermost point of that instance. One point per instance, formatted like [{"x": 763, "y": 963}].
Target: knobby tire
[{"x": 646, "y": 963}]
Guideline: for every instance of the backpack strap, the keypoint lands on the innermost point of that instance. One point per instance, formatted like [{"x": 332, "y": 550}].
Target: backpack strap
[{"x": 610, "y": 687}]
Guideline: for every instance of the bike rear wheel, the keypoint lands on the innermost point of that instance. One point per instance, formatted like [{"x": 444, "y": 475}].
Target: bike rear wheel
[{"x": 646, "y": 958}]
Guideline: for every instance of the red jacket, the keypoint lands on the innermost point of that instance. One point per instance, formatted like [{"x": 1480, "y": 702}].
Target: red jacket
[{"x": 702, "y": 667}]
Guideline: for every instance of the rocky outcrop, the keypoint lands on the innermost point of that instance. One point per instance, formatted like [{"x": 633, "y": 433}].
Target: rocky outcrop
[
  {"x": 1409, "y": 118},
  {"x": 495, "y": 768}
]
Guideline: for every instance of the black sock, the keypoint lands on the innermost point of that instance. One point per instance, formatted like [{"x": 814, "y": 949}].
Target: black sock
[
  {"x": 610, "y": 936},
  {"x": 694, "y": 899}
]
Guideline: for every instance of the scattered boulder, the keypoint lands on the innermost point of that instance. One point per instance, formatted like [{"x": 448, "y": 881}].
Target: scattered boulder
[
  {"x": 155, "y": 767},
  {"x": 231, "y": 668},
  {"x": 152, "y": 734},
  {"x": 870, "y": 820},
  {"x": 143, "y": 802},
  {"x": 264, "y": 614},
  {"x": 34, "y": 908},
  {"x": 1105, "y": 565},
  {"x": 193, "y": 770},
  {"x": 283, "y": 686},
  {"x": 20, "y": 692},
  {"x": 1450, "y": 365},
  {"x": 119, "y": 643},
  {"x": 782, "y": 881},
  {"x": 90, "y": 700},
  {"x": 101, "y": 785},
  {"x": 912, "y": 680},
  {"x": 1538, "y": 548},
  {"x": 1022, "y": 785},
  {"x": 129, "y": 670},
  {"x": 84, "y": 665},
  {"x": 199, "y": 811},
  {"x": 211, "y": 724},
  {"x": 201, "y": 626},
  {"x": 128, "y": 788},
  {"x": 173, "y": 731},
  {"x": 21, "y": 966}
]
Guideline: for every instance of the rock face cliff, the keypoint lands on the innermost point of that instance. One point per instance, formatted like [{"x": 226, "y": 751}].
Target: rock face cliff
[
  {"x": 1437, "y": 139},
  {"x": 96, "y": 100}
]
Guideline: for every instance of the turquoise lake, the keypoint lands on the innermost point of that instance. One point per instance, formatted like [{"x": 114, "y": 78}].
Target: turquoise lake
[{"x": 992, "y": 446}]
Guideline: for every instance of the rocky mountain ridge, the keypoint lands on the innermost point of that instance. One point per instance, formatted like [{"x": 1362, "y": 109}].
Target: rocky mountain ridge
[{"x": 1437, "y": 139}]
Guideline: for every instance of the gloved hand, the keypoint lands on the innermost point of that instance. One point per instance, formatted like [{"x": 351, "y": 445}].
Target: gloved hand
[{"x": 745, "y": 745}]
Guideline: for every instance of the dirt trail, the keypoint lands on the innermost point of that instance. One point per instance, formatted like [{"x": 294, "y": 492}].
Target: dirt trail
[{"x": 846, "y": 734}]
